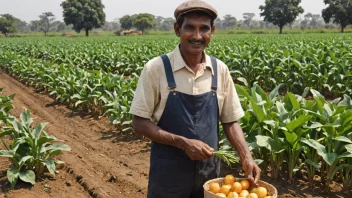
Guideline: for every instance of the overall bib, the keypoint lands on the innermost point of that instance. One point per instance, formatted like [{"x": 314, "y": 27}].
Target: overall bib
[{"x": 172, "y": 173}]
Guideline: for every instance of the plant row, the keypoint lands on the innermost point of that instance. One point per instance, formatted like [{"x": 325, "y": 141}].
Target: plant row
[
  {"x": 93, "y": 91},
  {"x": 323, "y": 63},
  {"x": 289, "y": 133}
]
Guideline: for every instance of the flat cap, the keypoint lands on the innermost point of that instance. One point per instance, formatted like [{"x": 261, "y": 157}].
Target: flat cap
[{"x": 195, "y": 5}]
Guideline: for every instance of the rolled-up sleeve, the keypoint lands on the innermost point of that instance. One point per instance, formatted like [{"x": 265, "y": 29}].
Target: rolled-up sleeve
[
  {"x": 146, "y": 95},
  {"x": 232, "y": 109}
]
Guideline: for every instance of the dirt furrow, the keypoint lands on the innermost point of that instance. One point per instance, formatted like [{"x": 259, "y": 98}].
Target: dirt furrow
[{"x": 105, "y": 163}]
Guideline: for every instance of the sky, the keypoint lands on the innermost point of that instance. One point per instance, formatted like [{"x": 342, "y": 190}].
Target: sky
[{"x": 28, "y": 10}]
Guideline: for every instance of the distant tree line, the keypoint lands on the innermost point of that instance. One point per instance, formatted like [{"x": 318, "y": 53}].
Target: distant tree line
[{"x": 87, "y": 15}]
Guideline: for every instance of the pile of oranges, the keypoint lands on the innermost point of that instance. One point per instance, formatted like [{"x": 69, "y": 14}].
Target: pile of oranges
[{"x": 237, "y": 189}]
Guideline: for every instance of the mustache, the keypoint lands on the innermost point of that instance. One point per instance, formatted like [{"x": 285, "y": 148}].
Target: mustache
[{"x": 195, "y": 40}]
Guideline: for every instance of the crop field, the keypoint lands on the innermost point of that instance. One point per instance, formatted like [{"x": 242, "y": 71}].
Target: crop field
[{"x": 295, "y": 89}]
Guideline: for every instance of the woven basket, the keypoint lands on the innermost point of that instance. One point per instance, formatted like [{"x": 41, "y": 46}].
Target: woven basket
[{"x": 207, "y": 194}]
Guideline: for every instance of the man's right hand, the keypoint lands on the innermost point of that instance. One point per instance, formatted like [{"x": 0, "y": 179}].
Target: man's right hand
[{"x": 197, "y": 150}]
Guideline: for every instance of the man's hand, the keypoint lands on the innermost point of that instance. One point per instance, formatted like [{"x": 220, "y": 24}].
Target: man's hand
[
  {"x": 235, "y": 136},
  {"x": 197, "y": 150},
  {"x": 252, "y": 170}
]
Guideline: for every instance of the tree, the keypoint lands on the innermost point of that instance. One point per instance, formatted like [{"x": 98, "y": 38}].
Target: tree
[
  {"x": 248, "y": 18},
  {"x": 45, "y": 21},
  {"x": 61, "y": 27},
  {"x": 218, "y": 23},
  {"x": 144, "y": 21},
  {"x": 34, "y": 25},
  {"x": 83, "y": 14},
  {"x": 126, "y": 22},
  {"x": 312, "y": 20},
  {"x": 7, "y": 24},
  {"x": 158, "y": 20},
  {"x": 281, "y": 12},
  {"x": 110, "y": 26},
  {"x": 17, "y": 23},
  {"x": 167, "y": 24},
  {"x": 229, "y": 21},
  {"x": 22, "y": 26},
  {"x": 116, "y": 24},
  {"x": 340, "y": 11}
]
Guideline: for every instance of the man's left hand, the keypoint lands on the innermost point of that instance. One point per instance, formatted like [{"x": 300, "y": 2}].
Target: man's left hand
[{"x": 251, "y": 169}]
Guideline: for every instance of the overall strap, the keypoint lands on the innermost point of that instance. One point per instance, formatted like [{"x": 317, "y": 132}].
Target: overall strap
[
  {"x": 214, "y": 80},
  {"x": 168, "y": 71}
]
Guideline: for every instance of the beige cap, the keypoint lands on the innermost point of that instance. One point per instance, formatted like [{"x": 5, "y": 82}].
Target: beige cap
[{"x": 195, "y": 5}]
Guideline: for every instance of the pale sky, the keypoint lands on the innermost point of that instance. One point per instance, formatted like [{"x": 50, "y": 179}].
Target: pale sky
[{"x": 28, "y": 10}]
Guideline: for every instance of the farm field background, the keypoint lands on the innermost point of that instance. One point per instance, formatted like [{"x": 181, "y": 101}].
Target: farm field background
[{"x": 295, "y": 89}]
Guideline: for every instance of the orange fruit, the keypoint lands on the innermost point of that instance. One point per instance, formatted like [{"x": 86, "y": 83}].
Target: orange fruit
[
  {"x": 229, "y": 179},
  {"x": 253, "y": 190},
  {"x": 232, "y": 195},
  {"x": 220, "y": 194},
  {"x": 252, "y": 195},
  {"x": 225, "y": 189},
  {"x": 228, "y": 186},
  {"x": 244, "y": 193},
  {"x": 261, "y": 192},
  {"x": 236, "y": 187},
  {"x": 245, "y": 184},
  {"x": 214, "y": 187}
]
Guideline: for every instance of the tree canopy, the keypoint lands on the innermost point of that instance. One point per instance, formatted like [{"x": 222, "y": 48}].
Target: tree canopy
[
  {"x": 7, "y": 24},
  {"x": 248, "y": 18},
  {"x": 338, "y": 10},
  {"x": 83, "y": 14},
  {"x": 45, "y": 21},
  {"x": 144, "y": 21},
  {"x": 229, "y": 22},
  {"x": 281, "y": 12},
  {"x": 126, "y": 22}
]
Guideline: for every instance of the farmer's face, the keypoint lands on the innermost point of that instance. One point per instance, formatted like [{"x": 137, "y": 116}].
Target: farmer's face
[{"x": 195, "y": 33}]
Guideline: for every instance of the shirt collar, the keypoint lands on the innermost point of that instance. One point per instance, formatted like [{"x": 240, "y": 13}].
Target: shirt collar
[{"x": 179, "y": 63}]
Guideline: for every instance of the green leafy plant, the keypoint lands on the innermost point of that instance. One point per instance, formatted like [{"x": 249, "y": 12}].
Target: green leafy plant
[
  {"x": 5, "y": 105},
  {"x": 31, "y": 151},
  {"x": 227, "y": 156}
]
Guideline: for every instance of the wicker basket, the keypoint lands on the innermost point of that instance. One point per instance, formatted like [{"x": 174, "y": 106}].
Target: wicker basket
[{"x": 207, "y": 194}]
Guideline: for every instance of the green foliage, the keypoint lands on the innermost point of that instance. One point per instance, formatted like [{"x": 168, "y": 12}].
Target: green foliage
[
  {"x": 99, "y": 75},
  {"x": 338, "y": 10},
  {"x": 7, "y": 24},
  {"x": 83, "y": 14},
  {"x": 5, "y": 106},
  {"x": 45, "y": 21},
  {"x": 229, "y": 21},
  {"x": 281, "y": 12},
  {"x": 290, "y": 127},
  {"x": 31, "y": 151},
  {"x": 144, "y": 21},
  {"x": 127, "y": 21}
]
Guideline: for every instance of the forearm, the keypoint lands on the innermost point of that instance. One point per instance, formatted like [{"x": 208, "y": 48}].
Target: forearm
[
  {"x": 152, "y": 131},
  {"x": 234, "y": 134}
]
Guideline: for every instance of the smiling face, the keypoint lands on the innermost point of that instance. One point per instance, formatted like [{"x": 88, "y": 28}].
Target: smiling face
[{"x": 195, "y": 33}]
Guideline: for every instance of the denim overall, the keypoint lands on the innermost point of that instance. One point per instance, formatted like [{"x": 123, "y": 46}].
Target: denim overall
[{"x": 172, "y": 173}]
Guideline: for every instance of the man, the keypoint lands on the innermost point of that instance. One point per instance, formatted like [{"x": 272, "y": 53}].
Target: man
[{"x": 187, "y": 93}]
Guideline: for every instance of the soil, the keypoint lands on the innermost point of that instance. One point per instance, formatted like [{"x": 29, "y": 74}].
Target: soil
[{"x": 103, "y": 162}]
